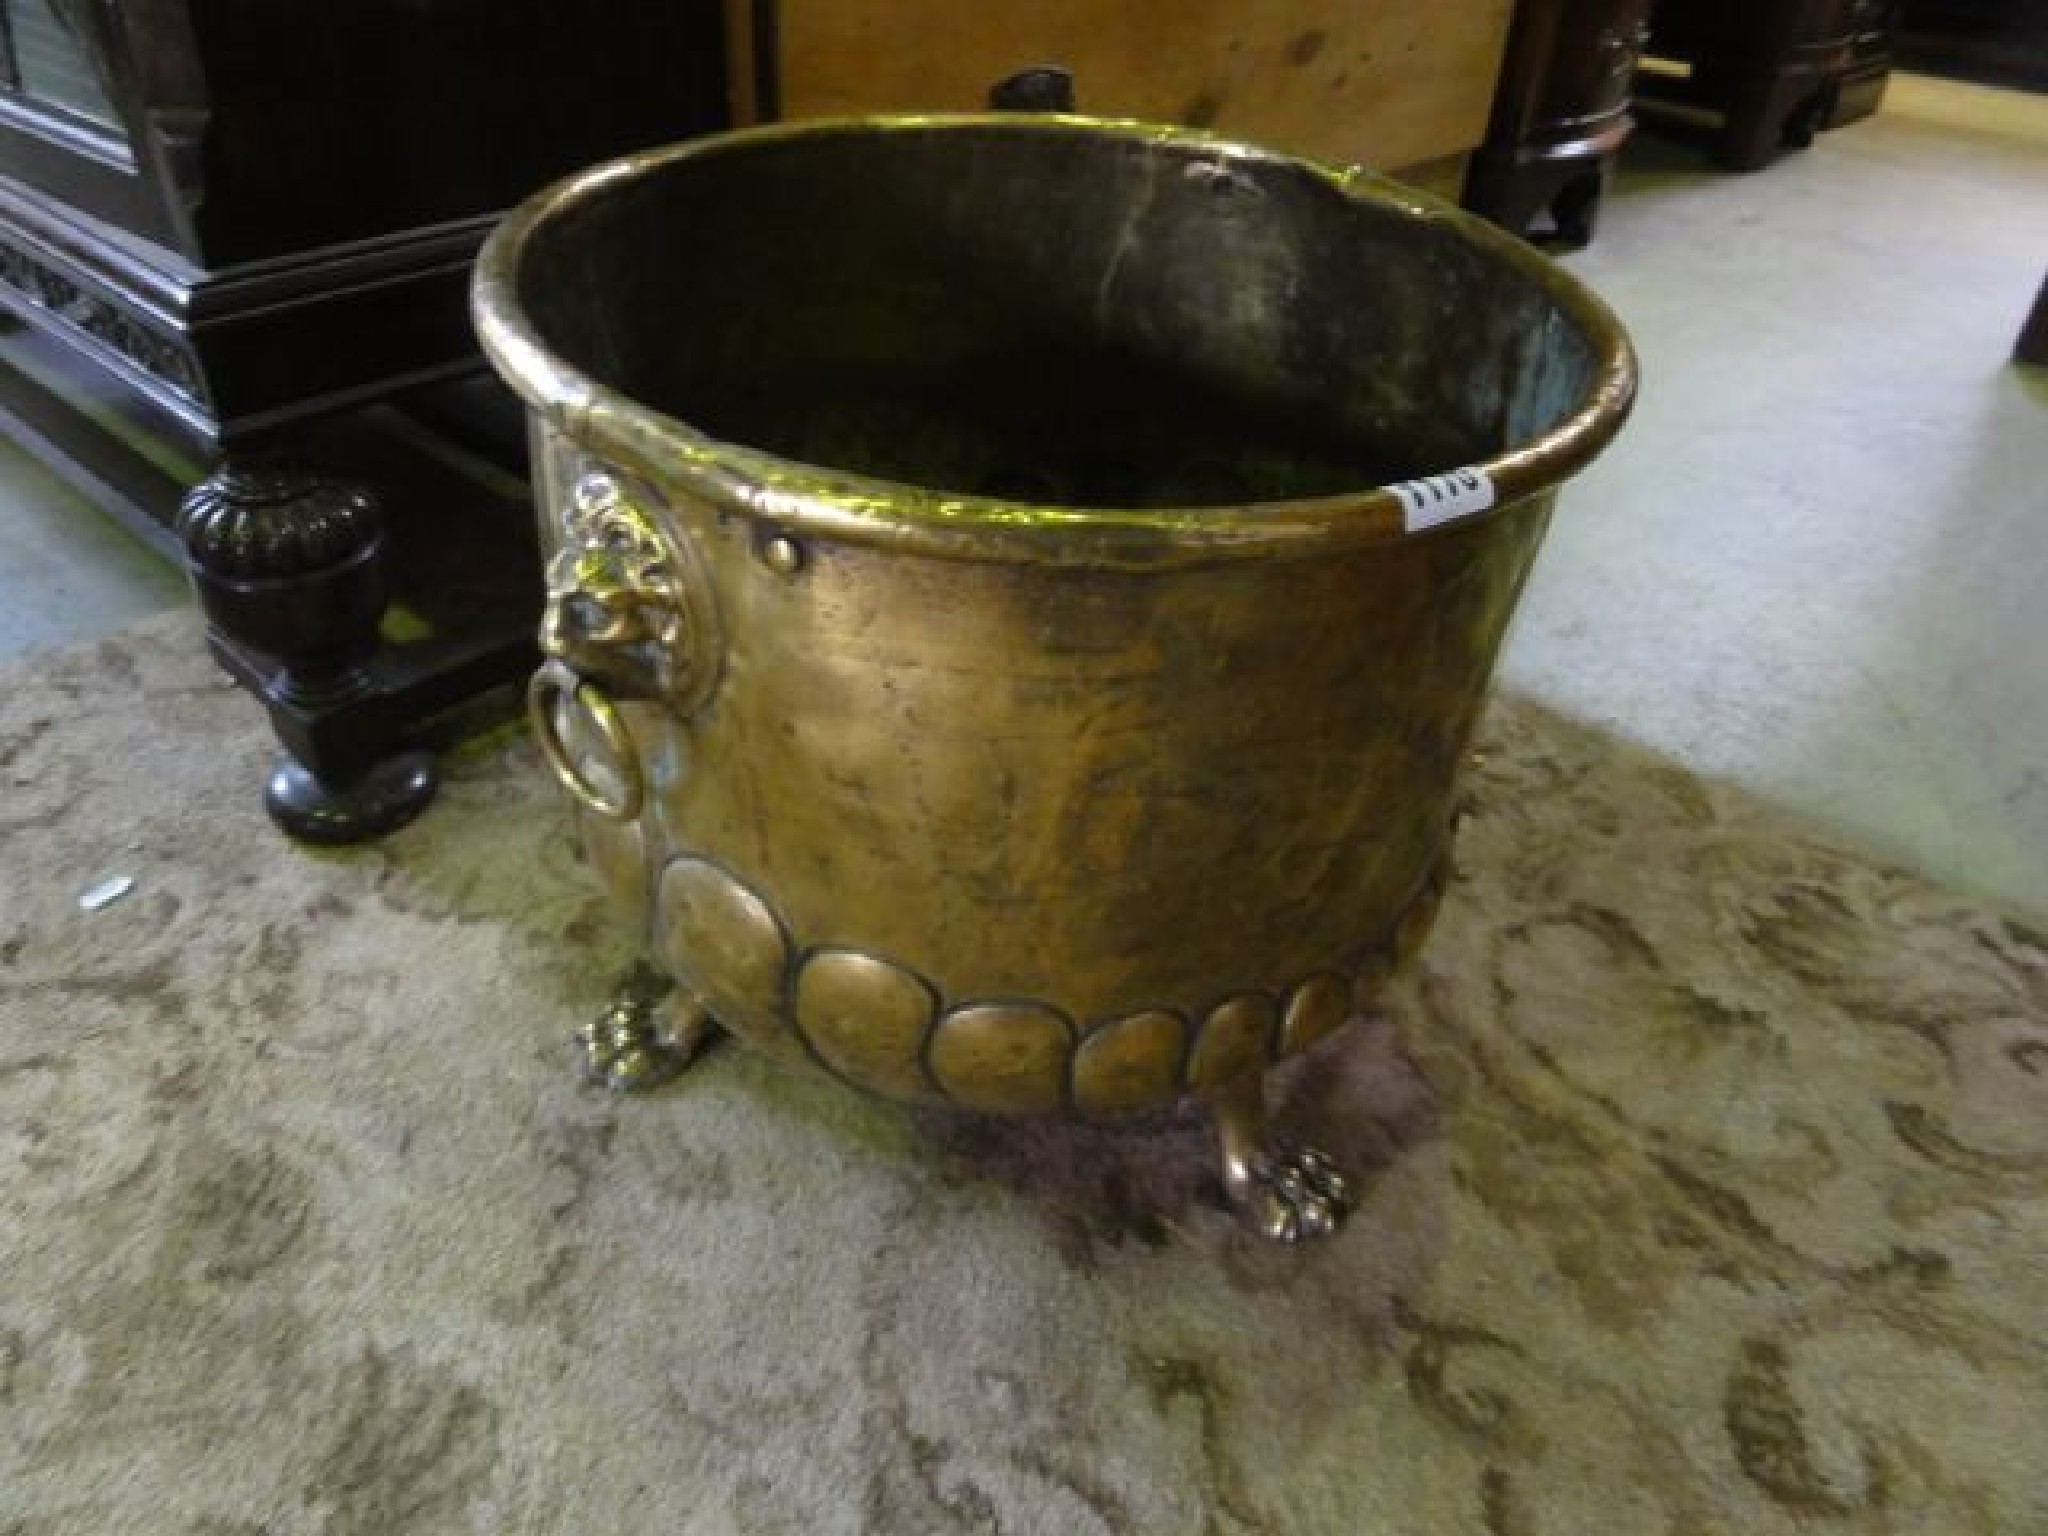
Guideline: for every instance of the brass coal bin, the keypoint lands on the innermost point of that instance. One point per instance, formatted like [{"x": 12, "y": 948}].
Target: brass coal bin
[{"x": 1021, "y": 589}]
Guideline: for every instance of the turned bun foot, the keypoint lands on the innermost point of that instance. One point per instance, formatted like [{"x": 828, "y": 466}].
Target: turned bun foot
[
  {"x": 288, "y": 566},
  {"x": 379, "y": 800}
]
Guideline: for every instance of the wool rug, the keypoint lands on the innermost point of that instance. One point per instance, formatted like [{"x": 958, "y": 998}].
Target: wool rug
[{"x": 1704, "y": 1166}]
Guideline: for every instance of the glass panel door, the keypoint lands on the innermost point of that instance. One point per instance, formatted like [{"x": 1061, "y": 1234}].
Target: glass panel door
[{"x": 51, "y": 63}]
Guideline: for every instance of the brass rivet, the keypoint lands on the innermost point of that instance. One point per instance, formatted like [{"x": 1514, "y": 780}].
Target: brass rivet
[{"x": 784, "y": 556}]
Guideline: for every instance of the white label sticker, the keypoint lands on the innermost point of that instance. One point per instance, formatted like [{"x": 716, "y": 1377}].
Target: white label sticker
[
  {"x": 106, "y": 893},
  {"x": 1438, "y": 499}
]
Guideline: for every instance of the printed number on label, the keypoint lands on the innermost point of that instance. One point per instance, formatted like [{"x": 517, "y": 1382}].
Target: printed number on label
[{"x": 1439, "y": 498}]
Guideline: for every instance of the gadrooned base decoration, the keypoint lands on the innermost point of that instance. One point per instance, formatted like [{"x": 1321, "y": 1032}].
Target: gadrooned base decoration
[
  {"x": 877, "y": 1024},
  {"x": 288, "y": 566}
]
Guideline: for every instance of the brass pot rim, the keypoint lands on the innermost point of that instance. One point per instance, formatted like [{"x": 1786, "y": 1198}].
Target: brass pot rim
[{"x": 786, "y": 495}]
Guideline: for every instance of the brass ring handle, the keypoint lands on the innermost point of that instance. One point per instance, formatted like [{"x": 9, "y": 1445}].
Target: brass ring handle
[{"x": 554, "y": 683}]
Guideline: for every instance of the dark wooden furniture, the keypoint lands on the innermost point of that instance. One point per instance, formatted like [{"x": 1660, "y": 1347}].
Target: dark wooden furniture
[
  {"x": 2032, "y": 346},
  {"x": 246, "y": 216},
  {"x": 1772, "y": 72},
  {"x": 1560, "y": 116},
  {"x": 1859, "y": 89},
  {"x": 1997, "y": 42}
]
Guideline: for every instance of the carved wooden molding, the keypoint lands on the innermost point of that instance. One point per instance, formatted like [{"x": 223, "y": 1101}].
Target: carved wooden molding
[{"x": 100, "y": 323}]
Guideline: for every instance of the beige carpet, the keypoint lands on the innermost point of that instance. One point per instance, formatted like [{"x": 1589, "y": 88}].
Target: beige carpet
[{"x": 1707, "y": 1192}]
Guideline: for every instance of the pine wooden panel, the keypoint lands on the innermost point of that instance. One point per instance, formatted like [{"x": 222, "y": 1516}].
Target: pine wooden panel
[{"x": 1389, "y": 84}]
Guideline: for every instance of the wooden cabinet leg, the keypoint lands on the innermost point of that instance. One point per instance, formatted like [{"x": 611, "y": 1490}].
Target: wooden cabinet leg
[
  {"x": 288, "y": 567},
  {"x": 1575, "y": 210},
  {"x": 1751, "y": 130},
  {"x": 1517, "y": 194},
  {"x": 1508, "y": 190},
  {"x": 2032, "y": 346},
  {"x": 1767, "y": 116}
]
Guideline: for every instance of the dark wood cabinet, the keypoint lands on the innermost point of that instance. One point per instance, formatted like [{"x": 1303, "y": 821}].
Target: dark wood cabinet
[
  {"x": 281, "y": 197},
  {"x": 1560, "y": 115},
  {"x": 250, "y": 215},
  {"x": 1772, "y": 73},
  {"x": 1997, "y": 42},
  {"x": 1859, "y": 90},
  {"x": 2032, "y": 346}
]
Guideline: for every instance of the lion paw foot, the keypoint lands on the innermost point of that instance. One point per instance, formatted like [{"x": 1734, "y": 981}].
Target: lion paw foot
[
  {"x": 1291, "y": 1195},
  {"x": 640, "y": 1042}
]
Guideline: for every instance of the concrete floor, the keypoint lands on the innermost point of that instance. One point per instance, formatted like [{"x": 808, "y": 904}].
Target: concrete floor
[
  {"x": 1815, "y": 563},
  {"x": 67, "y": 572}
]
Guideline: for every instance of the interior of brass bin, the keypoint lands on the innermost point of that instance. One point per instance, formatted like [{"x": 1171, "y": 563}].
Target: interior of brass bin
[{"x": 1003, "y": 633}]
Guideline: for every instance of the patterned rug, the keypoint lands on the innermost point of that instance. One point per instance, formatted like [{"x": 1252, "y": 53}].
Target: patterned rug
[{"x": 1705, "y": 1165}]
